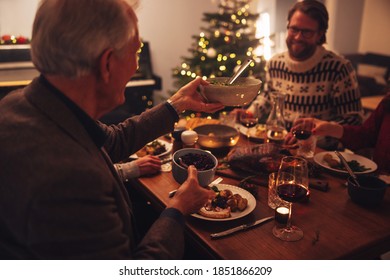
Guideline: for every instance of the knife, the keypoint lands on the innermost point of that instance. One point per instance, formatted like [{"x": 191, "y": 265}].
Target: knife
[{"x": 241, "y": 227}]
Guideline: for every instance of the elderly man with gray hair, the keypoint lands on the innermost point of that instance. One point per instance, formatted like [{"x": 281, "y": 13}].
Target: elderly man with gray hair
[{"x": 60, "y": 195}]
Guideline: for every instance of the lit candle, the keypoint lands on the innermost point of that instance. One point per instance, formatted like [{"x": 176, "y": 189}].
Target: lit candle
[{"x": 281, "y": 214}]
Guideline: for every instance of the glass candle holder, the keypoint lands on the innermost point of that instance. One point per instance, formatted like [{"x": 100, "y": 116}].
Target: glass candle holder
[{"x": 281, "y": 215}]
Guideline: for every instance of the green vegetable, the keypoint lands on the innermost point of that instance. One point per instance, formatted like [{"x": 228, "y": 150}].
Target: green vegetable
[
  {"x": 219, "y": 83},
  {"x": 355, "y": 166}
]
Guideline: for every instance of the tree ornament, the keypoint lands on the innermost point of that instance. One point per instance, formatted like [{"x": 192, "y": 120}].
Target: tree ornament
[{"x": 211, "y": 53}]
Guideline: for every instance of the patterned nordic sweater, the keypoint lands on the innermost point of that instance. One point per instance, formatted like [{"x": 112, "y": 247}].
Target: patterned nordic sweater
[{"x": 323, "y": 86}]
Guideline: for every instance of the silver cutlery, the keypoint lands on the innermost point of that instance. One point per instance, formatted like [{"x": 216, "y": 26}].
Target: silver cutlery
[
  {"x": 199, "y": 90},
  {"x": 345, "y": 163},
  {"x": 239, "y": 71},
  {"x": 241, "y": 227},
  {"x": 182, "y": 163},
  {"x": 215, "y": 182},
  {"x": 164, "y": 161}
]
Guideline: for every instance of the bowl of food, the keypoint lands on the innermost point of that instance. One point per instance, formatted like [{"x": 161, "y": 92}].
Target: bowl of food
[
  {"x": 370, "y": 193},
  {"x": 240, "y": 93},
  {"x": 215, "y": 136},
  {"x": 204, "y": 161}
]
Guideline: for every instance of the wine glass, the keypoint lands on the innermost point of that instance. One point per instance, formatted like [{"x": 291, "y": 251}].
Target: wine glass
[
  {"x": 301, "y": 130},
  {"x": 249, "y": 117},
  {"x": 292, "y": 185}
]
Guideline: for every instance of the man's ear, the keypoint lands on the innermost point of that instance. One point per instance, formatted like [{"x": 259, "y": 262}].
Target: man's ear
[{"x": 104, "y": 65}]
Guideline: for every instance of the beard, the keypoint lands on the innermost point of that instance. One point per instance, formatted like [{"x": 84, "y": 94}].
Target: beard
[{"x": 300, "y": 50}]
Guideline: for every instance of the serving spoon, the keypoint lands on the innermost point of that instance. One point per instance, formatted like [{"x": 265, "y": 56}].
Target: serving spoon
[
  {"x": 239, "y": 71},
  {"x": 345, "y": 163}
]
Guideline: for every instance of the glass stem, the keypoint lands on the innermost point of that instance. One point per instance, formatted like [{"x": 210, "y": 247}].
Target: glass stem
[{"x": 289, "y": 215}]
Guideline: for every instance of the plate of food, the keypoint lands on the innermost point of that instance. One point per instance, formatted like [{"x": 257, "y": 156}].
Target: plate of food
[
  {"x": 230, "y": 203},
  {"x": 257, "y": 133},
  {"x": 358, "y": 164},
  {"x": 157, "y": 147}
]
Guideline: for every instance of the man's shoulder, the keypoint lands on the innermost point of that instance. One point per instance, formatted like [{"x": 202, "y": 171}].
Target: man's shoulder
[{"x": 330, "y": 55}]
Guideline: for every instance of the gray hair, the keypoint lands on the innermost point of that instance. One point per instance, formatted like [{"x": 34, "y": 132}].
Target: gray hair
[{"x": 69, "y": 36}]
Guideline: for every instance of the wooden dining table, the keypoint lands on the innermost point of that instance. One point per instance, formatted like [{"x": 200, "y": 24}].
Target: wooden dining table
[{"x": 334, "y": 226}]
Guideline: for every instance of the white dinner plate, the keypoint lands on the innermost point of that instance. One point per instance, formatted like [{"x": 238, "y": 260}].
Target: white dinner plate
[
  {"x": 254, "y": 132},
  {"x": 168, "y": 147},
  {"x": 319, "y": 159},
  {"x": 234, "y": 215}
]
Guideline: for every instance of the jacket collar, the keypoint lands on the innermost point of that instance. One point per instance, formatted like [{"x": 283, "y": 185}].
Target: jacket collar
[{"x": 50, "y": 102}]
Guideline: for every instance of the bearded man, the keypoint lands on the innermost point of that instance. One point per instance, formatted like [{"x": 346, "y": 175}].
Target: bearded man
[{"x": 316, "y": 82}]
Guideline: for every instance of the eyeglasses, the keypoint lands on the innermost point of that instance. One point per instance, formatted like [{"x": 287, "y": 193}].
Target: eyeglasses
[{"x": 306, "y": 33}]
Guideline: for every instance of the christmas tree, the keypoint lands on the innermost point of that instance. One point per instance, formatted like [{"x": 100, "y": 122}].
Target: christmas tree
[{"x": 221, "y": 48}]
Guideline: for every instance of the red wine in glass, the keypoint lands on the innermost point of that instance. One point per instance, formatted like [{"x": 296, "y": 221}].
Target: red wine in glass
[
  {"x": 291, "y": 192},
  {"x": 301, "y": 134}
]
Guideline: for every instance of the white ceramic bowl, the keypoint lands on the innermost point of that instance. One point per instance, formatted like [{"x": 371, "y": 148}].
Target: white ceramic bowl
[
  {"x": 180, "y": 173},
  {"x": 240, "y": 93}
]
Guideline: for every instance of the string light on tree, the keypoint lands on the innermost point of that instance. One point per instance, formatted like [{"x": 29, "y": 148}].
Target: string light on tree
[{"x": 229, "y": 38}]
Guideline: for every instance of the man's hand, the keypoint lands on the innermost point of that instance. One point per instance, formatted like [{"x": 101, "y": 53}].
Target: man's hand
[
  {"x": 148, "y": 165},
  {"x": 187, "y": 98},
  {"x": 190, "y": 197}
]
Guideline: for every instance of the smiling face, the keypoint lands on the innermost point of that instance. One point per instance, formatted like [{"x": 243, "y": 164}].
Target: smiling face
[{"x": 302, "y": 36}]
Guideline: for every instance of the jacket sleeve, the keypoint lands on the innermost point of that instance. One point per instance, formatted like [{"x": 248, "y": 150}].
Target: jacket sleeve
[
  {"x": 131, "y": 135},
  {"x": 366, "y": 135},
  {"x": 165, "y": 238},
  {"x": 88, "y": 218}
]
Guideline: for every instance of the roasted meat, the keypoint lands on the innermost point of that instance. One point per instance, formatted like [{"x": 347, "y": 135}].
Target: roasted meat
[{"x": 255, "y": 159}]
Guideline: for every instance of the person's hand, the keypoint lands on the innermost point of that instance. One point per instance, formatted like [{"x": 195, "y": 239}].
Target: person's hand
[
  {"x": 188, "y": 99},
  {"x": 325, "y": 128},
  {"x": 322, "y": 128},
  {"x": 290, "y": 139},
  {"x": 148, "y": 165},
  {"x": 190, "y": 197}
]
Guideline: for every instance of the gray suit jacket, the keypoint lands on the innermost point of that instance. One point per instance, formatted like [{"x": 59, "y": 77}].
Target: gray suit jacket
[{"x": 60, "y": 197}]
